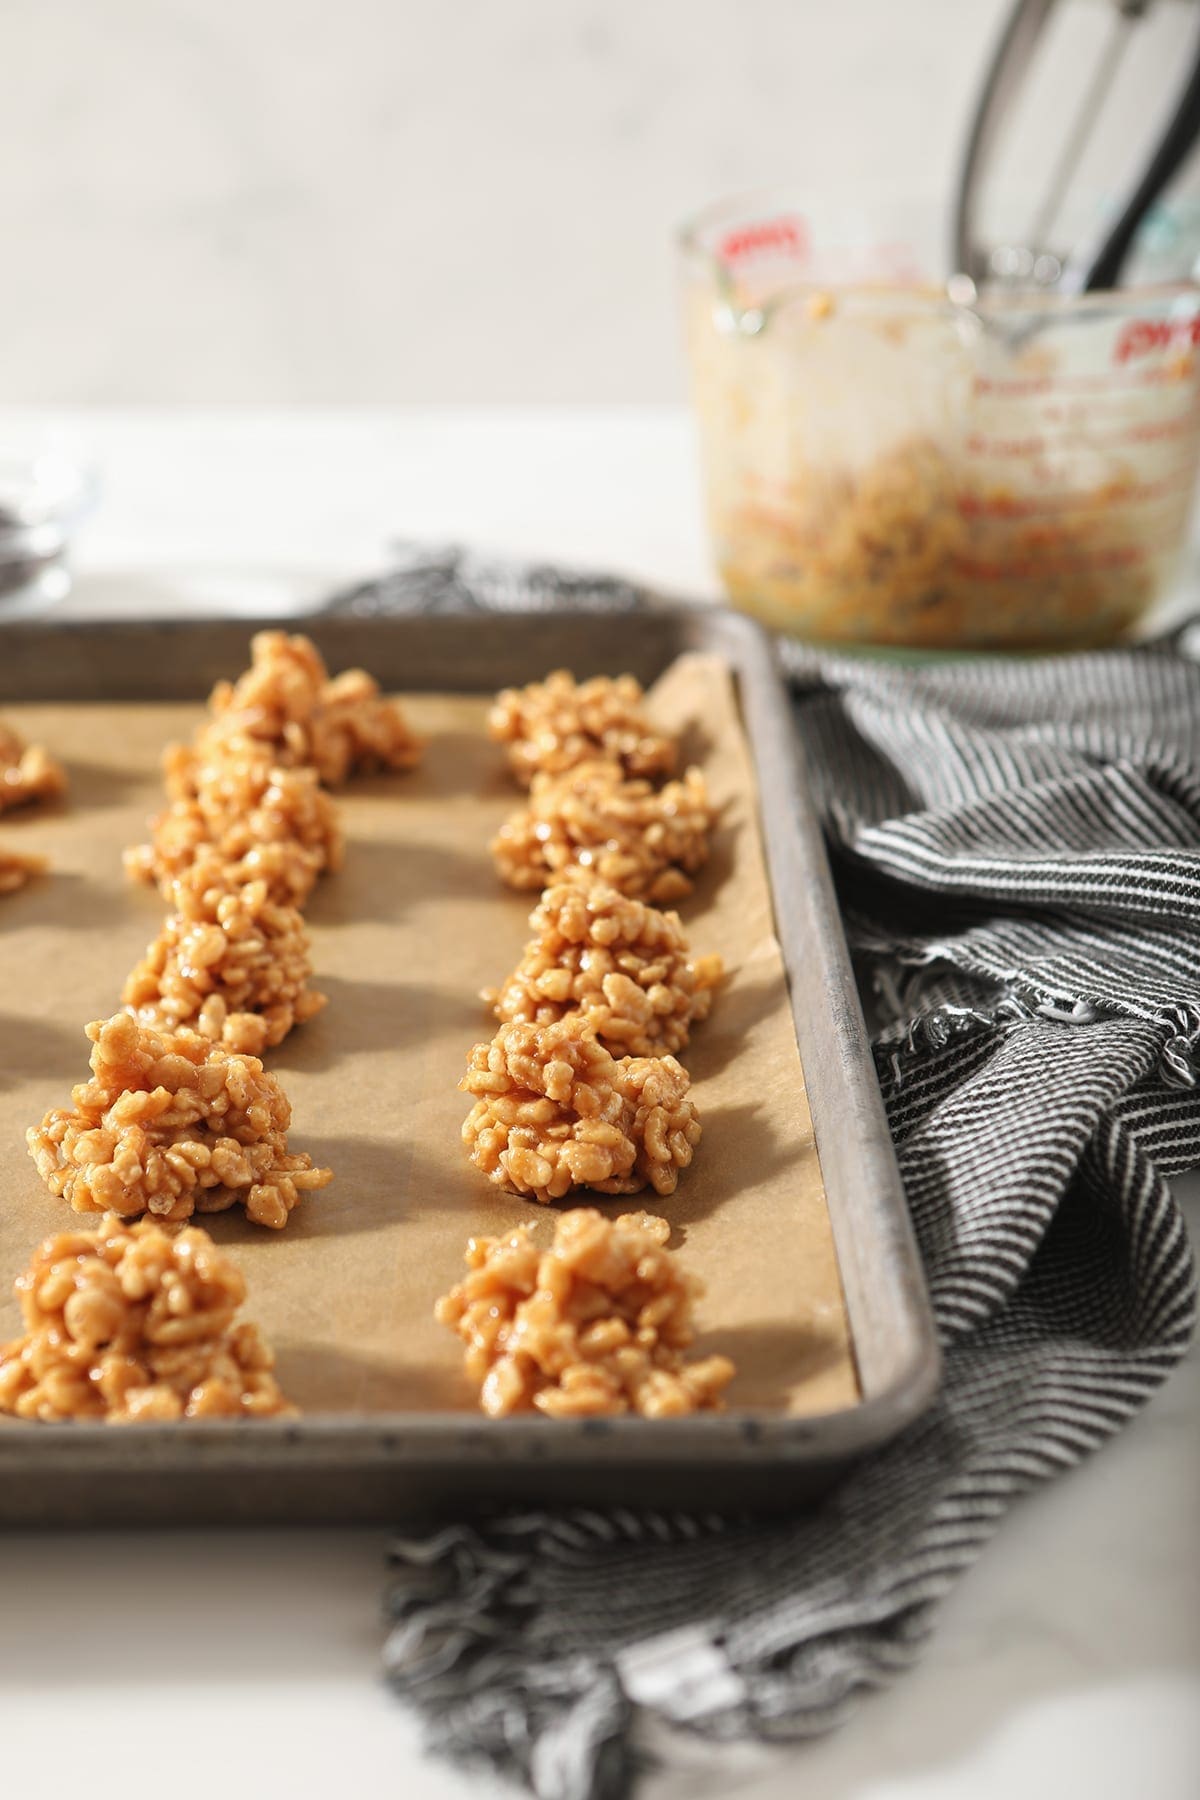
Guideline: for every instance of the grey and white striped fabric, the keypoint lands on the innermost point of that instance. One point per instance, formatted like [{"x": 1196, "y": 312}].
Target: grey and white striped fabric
[{"x": 1018, "y": 849}]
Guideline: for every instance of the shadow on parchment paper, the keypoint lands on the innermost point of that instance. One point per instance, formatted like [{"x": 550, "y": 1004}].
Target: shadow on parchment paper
[
  {"x": 455, "y": 762},
  {"x": 67, "y": 900},
  {"x": 382, "y": 882},
  {"x": 776, "y": 1359},
  {"x": 96, "y": 784},
  {"x": 702, "y": 1188},
  {"x": 318, "y": 1378},
  {"x": 715, "y": 873},
  {"x": 366, "y": 1015},
  {"x": 145, "y": 898},
  {"x": 16, "y": 818},
  {"x": 39, "y": 1047},
  {"x": 716, "y": 1041},
  {"x": 369, "y": 1175},
  {"x": 695, "y": 745}
]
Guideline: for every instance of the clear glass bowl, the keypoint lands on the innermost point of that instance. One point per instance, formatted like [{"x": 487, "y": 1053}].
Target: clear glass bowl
[
  {"x": 885, "y": 466},
  {"x": 47, "y": 485}
]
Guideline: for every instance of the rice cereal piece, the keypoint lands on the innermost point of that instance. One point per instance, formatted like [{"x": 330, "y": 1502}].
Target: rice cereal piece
[
  {"x": 230, "y": 963},
  {"x": 621, "y": 964},
  {"x": 554, "y": 1111},
  {"x": 595, "y": 1325},
  {"x": 27, "y": 772},
  {"x": 16, "y": 869},
  {"x": 264, "y": 822},
  {"x": 287, "y": 701},
  {"x": 132, "y": 1324},
  {"x": 171, "y": 1124},
  {"x": 590, "y": 824},
  {"x": 554, "y": 725}
]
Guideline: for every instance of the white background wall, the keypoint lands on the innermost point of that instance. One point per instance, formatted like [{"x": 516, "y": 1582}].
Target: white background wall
[{"x": 434, "y": 200}]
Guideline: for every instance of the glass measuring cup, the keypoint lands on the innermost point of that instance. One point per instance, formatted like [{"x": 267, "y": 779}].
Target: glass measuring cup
[{"x": 885, "y": 466}]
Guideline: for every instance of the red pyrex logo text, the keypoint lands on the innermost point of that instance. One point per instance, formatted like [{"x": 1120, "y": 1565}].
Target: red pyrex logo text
[
  {"x": 1142, "y": 337},
  {"x": 788, "y": 235}
]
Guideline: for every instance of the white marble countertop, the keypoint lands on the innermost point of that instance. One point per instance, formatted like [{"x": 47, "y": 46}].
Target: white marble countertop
[{"x": 1066, "y": 1664}]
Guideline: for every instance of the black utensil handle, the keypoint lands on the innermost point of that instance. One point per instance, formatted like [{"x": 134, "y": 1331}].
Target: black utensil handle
[{"x": 1104, "y": 269}]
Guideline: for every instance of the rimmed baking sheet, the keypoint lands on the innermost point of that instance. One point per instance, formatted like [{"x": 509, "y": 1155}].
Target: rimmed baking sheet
[{"x": 403, "y": 938}]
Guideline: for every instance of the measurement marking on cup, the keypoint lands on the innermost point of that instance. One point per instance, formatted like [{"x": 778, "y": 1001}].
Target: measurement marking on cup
[
  {"x": 1084, "y": 421},
  {"x": 981, "y": 443},
  {"x": 1106, "y": 385},
  {"x": 1021, "y": 448},
  {"x": 1009, "y": 507},
  {"x": 1038, "y": 569},
  {"x": 773, "y": 507},
  {"x": 1044, "y": 449}
]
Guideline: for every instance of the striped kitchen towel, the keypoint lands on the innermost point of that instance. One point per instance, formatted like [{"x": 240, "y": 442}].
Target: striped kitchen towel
[{"x": 1017, "y": 846}]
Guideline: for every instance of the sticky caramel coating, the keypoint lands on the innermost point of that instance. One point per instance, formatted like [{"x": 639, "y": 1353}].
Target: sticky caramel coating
[
  {"x": 621, "y": 964},
  {"x": 287, "y": 702},
  {"x": 230, "y": 963},
  {"x": 172, "y": 1125},
  {"x": 262, "y": 821},
  {"x": 591, "y": 824},
  {"x": 595, "y": 1325},
  {"x": 27, "y": 772},
  {"x": 132, "y": 1324},
  {"x": 554, "y": 1111},
  {"x": 554, "y": 725},
  {"x": 16, "y": 869}
]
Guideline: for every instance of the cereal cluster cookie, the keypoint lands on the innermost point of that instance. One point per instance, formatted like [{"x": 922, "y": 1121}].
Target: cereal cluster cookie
[
  {"x": 172, "y": 1125},
  {"x": 264, "y": 822},
  {"x": 287, "y": 703},
  {"x": 554, "y": 1111},
  {"x": 249, "y": 788},
  {"x": 231, "y": 963},
  {"x": 27, "y": 772},
  {"x": 621, "y": 965},
  {"x": 593, "y": 824},
  {"x": 554, "y": 725},
  {"x": 131, "y": 1324},
  {"x": 595, "y": 1325}
]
